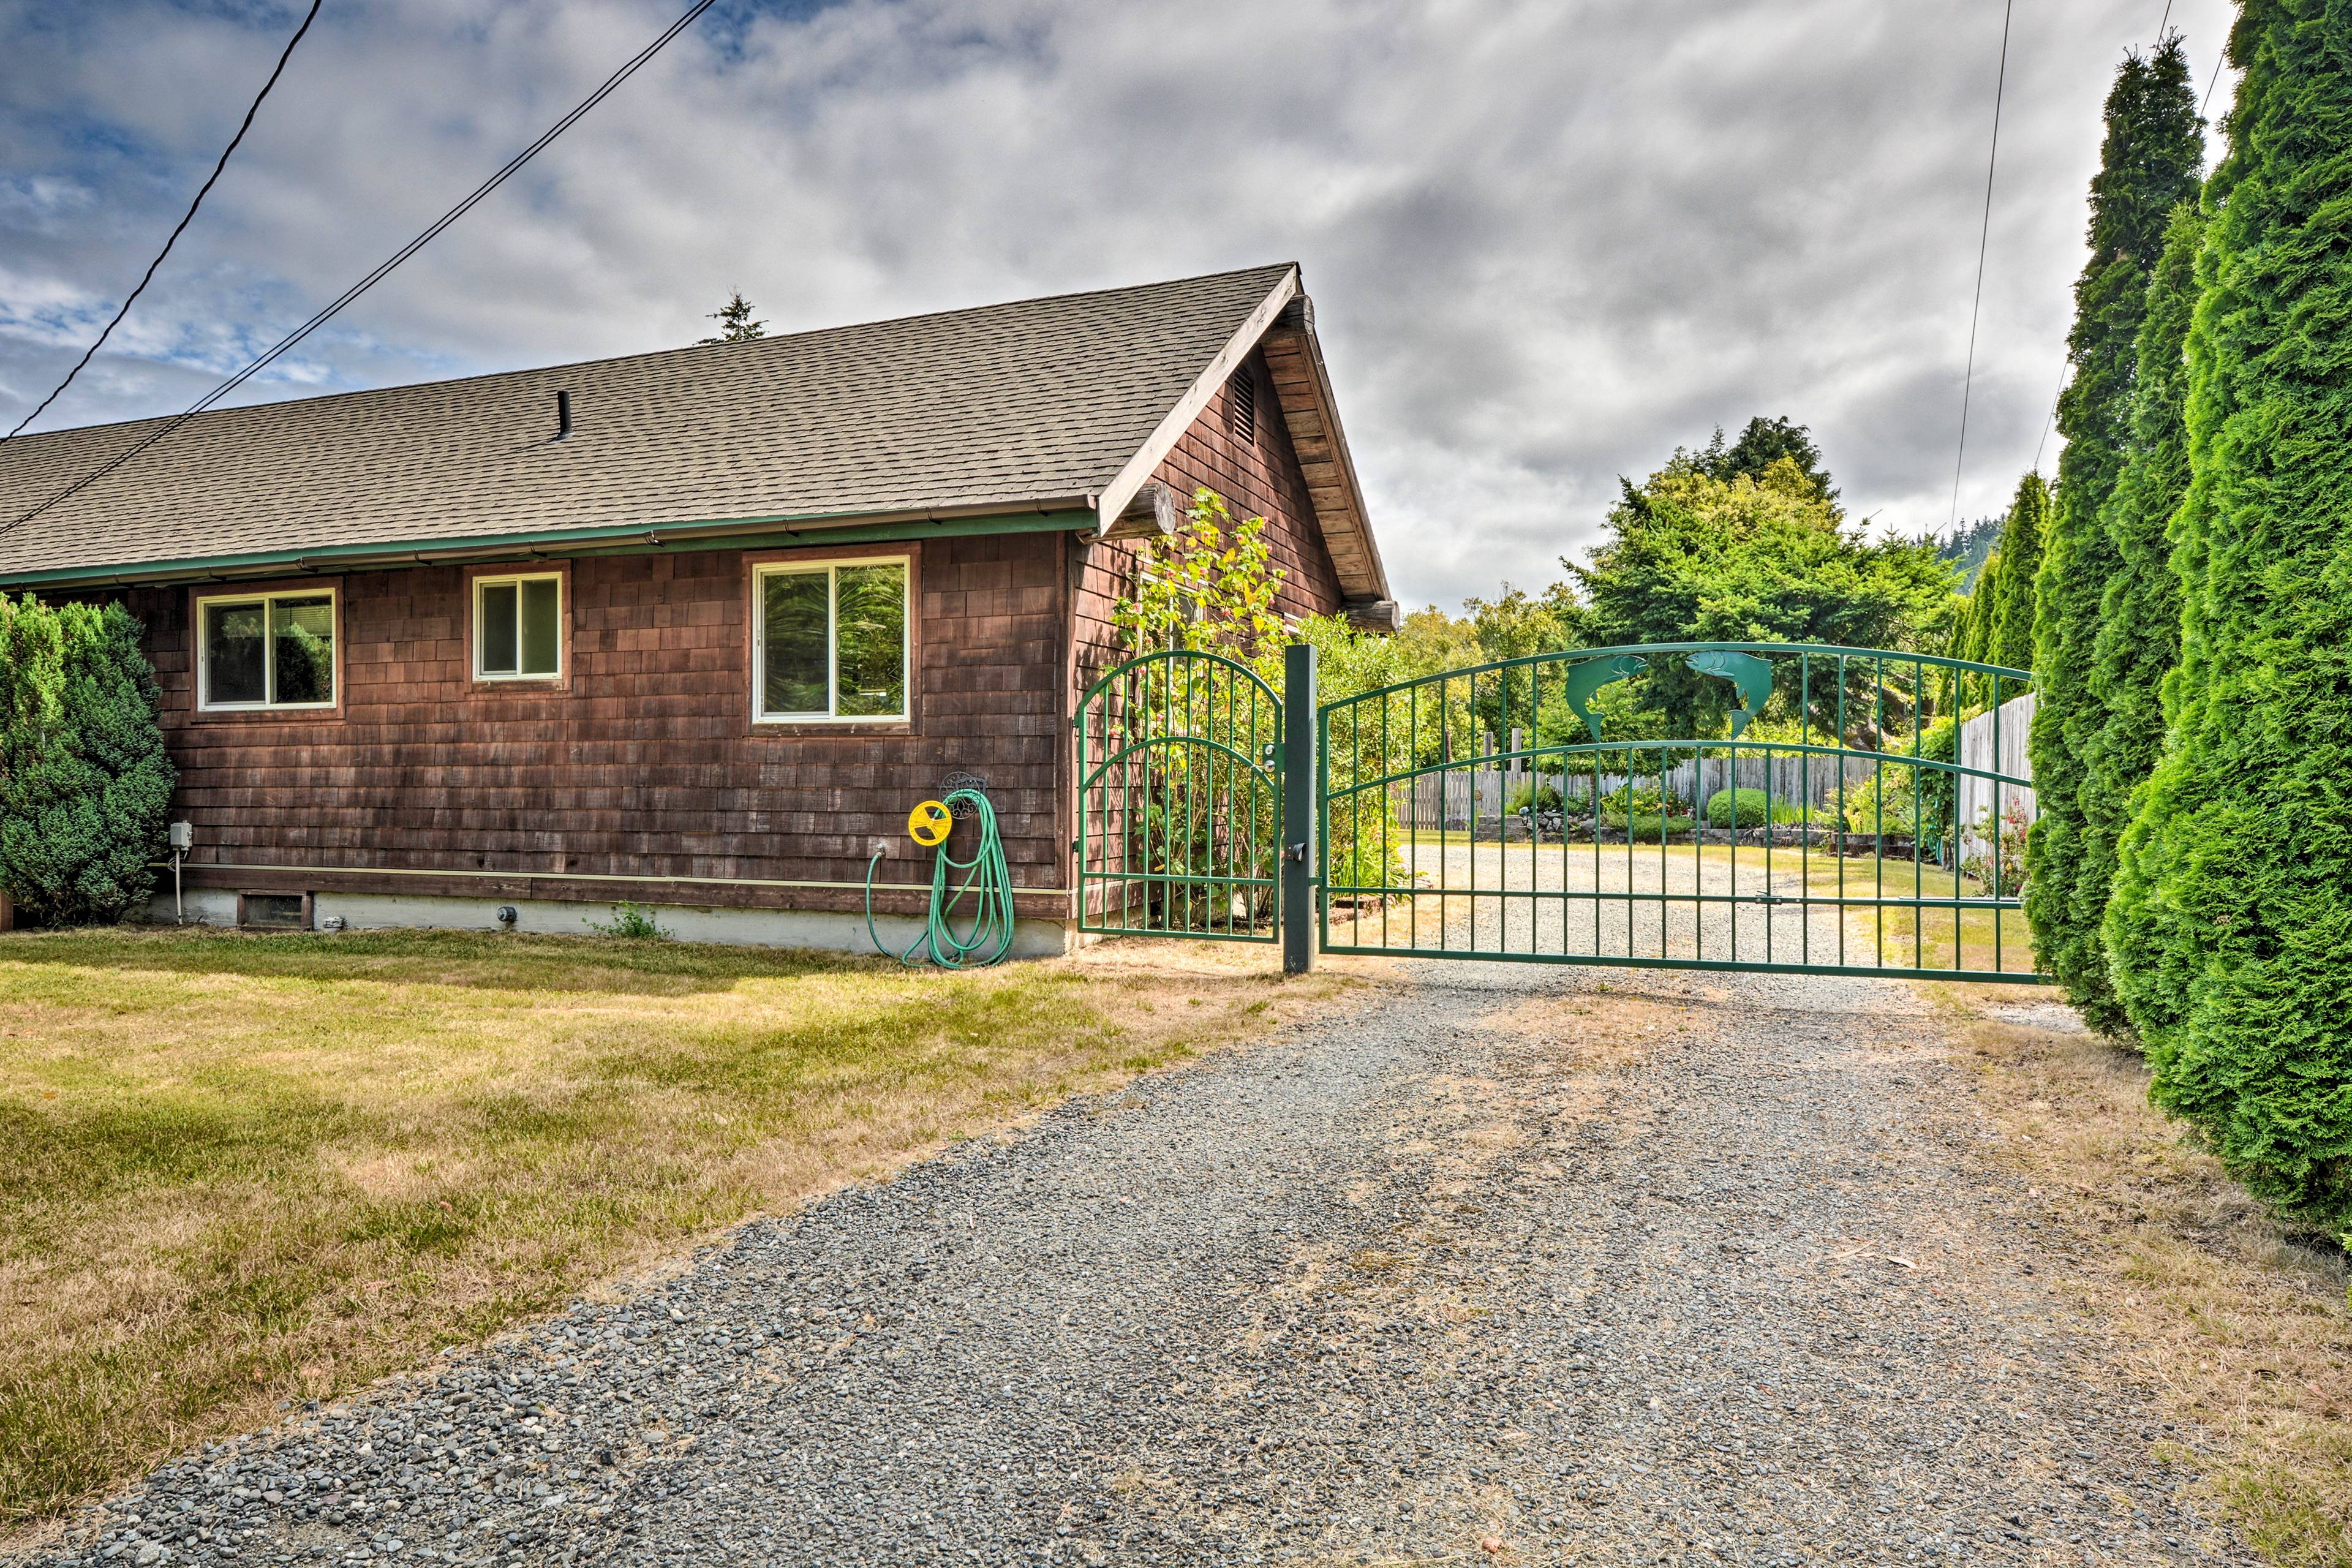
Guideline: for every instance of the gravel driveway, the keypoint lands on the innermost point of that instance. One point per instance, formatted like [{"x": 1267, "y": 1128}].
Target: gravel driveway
[{"x": 1500, "y": 1264}]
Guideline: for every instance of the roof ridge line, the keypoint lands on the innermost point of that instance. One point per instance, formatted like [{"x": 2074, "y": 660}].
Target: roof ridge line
[{"x": 35, "y": 435}]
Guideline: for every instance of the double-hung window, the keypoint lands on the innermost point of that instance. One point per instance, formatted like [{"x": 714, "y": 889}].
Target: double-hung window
[
  {"x": 518, "y": 628},
  {"x": 829, "y": 640},
  {"x": 266, "y": 650}
]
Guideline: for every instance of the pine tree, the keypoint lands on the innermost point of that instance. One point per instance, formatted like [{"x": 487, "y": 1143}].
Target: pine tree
[
  {"x": 2230, "y": 931},
  {"x": 1763, "y": 443},
  {"x": 735, "y": 323},
  {"x": 2150, "y": 164},
  {"x": 2138, "y": 638}
]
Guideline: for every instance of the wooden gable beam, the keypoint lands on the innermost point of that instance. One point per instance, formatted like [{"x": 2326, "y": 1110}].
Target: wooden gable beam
[{"x": 1302, "y": 383}]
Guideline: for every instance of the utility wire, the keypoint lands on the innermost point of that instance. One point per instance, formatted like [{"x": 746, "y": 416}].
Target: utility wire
[
  {"x": 2219, "y": 61},
  {"x": 328, "y": 311},
  {"x": 1967, "y": 384},
  {"x": 185, "y": 221},
  {"x": 2047, "y": 424}
]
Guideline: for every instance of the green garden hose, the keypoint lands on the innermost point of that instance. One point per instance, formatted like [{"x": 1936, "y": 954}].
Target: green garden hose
[{"x": 987, "y": 881}]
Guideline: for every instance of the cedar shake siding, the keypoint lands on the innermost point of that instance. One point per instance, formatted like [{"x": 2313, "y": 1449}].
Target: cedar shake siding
[{"x": 648, "y": 765}]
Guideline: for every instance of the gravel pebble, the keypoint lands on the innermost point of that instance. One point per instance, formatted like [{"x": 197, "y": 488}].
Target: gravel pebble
[{"x": 1425, "y": 1280}]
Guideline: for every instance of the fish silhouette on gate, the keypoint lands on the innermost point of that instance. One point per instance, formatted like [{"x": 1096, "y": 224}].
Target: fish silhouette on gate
[
  {"x": 1589, "y": 676},
  {"x": 1752, "y": 676}
]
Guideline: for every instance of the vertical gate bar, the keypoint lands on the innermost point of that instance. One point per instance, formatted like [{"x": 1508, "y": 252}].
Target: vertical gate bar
[
  {"x": 1770, "y": 757},
  {"x": 1224, "y": 805},
  {"x": 1734, "y": 750},
  {"x": 1878, "y": 810},
  {"x": 1918, "y": 862},
  {"x": 1388, "y": 793},
  {"x": 1083, "y": 835},
  {"x": 1805, "y": 806},
  {"x": 1300, "y": 779},
  {"x": 1599, "y": 881},
  {"x": 1841, "y": 812},
  {"x": 1992, "y": 850},
  {"x": 1478, "y": 751},
  {"x": 1168, "y": 810},
  {"x": 1412, "y": 739}
]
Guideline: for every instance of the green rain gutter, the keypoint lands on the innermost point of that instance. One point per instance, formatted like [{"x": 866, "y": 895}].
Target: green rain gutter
[{"x": 1057, "y": 515}]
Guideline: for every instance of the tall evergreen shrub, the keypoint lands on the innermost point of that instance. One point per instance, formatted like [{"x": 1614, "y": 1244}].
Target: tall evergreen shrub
[
  {"x": 2010, "y": 609},
  {"x": 85, "y": 785},
  {"x": 2230, "y": 931},
  {"x": 2150, "y": 164},
  {"x": 2139, "y": 640},
  {"x": 1996, "y": 622}
]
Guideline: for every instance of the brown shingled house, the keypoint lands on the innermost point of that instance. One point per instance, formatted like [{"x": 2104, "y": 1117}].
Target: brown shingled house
[{"x": 694, "y": 628}]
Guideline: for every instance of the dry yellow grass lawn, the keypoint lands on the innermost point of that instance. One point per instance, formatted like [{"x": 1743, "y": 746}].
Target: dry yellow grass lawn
[
  {"x": 2237, "y": 1326},
  {"x": 248, "y": 1170}
]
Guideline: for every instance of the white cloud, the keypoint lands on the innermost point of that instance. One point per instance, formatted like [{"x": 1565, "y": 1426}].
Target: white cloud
[{"x": 1549, "y": 242}]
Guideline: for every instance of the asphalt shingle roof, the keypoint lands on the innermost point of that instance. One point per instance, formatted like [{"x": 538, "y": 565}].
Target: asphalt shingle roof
[{"x": 1012, "y": 404}]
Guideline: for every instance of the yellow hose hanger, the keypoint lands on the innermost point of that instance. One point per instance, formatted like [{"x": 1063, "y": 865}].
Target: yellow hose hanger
[{"x": 986, "y": 880}]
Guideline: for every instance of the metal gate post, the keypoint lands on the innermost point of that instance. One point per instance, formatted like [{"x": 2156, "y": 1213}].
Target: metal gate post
[{"x": 1298, "y": 836}]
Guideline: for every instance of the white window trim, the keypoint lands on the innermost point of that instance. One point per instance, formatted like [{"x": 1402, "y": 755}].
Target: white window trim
[
  {"x": 831, "y": 568},
  {"x": 204, "y": 702},
  {"x": 562, "y": 625}
]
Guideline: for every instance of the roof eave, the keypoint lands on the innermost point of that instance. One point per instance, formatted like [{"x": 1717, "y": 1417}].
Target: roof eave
[
  {"x": 1022, "y": 514},
  {"x": 1302, "y": 383}
]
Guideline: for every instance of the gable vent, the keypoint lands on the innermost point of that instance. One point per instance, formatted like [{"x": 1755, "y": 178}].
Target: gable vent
[{"x": 1241, "y": 407}]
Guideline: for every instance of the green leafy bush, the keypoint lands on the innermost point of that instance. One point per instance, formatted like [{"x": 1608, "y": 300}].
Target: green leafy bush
[
  {"x": 2230, "y": 932},
  {"x": 1641, "y": 799},
  {"x": 1752, "y": 808},
  {"x": 1528, "y": 795},
  {"x": 84, "y": 783},
  {"x": 1939, "y": 789},
  {"x": 1643, "y": 827},
  {"x": 1884, "y": 803}
]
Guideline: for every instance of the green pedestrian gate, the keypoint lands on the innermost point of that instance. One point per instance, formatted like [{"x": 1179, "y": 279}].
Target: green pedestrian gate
[{"x": 1745, "y": 807}]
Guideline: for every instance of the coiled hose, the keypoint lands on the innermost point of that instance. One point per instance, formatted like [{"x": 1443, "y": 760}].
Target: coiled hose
[{"x": 987, "y": 881}]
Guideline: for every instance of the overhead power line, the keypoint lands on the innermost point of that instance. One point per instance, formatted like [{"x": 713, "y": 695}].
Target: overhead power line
[
  {"x": 327, "y": 312},
  {"x": 1967, "y": 384},
  {"x": 184, "y": 220},
  {"x": 2050, "y": 423}
]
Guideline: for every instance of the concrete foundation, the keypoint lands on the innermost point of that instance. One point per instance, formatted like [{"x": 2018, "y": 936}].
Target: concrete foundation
[{"x": 823, "y": 930}]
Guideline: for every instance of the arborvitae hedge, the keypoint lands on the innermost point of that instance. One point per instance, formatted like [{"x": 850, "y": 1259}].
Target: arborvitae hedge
[
  {"x": 2231, "y": 932},
  {"x": 84, "y": 781},
  {"x": 2150, "y": 162},
  {"x": 1996, "y": 624},
  {"x": 2011, "y": 606},
  {"x": 2139, "y": 616}
]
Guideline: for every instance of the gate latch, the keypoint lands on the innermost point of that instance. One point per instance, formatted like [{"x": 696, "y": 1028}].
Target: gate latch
[
  {"x": 1771, "y": 899},
  {"x": 1295, "y": 853}
]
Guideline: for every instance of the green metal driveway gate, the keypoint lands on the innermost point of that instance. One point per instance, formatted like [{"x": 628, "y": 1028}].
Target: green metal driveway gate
[{"x": 1749, "y": 806}]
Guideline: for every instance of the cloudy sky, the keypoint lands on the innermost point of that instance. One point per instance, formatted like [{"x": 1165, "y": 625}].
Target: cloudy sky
[{"x": 1549, "y": 241}]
